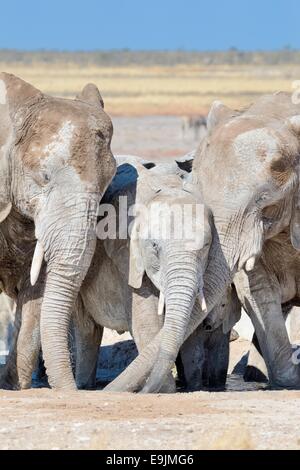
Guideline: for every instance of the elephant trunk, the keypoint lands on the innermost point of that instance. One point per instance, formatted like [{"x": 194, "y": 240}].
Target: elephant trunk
[
  {"x": 68, "y": 257},
  {"x": 217, "y": 276},
  {"x": 183, "y": 281}
]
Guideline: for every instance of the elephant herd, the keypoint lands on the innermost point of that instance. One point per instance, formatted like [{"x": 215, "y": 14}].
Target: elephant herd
[{"x": 73, "y": 257}]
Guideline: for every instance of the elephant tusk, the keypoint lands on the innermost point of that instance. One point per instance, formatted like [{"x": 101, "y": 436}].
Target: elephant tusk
[
  {"x": 161, "y": 304},
  {"x": 36, "y": 264},
  {"x": 202, "y": 302},
  {"x": 250, "y": 264}
]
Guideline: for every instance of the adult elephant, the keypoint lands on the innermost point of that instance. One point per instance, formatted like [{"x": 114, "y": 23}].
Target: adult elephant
[
  {"x": 247, "y": 170},
  {"x": 141, "y": 284},
  {"x": 56, "y": 163}
]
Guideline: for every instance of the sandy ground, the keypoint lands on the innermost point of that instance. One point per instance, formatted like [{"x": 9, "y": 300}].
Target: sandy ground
[
  {"x": 45, "y": 419},
  {"x": 244, "y": 417},
  {"x": 153, "y": 137},
  {"x": 253, "y": 418}
]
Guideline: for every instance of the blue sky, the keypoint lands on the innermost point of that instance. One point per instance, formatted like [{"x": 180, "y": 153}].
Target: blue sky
[{"x": 149, "y": 24}]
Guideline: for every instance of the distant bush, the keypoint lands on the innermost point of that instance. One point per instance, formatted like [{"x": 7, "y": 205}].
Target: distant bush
[{"x": 168, "y": 58}]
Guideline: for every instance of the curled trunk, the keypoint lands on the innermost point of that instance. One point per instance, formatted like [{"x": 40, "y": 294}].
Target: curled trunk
[
  {"x": 216, "y": 278},
  {"x": 182, "y": 286}
]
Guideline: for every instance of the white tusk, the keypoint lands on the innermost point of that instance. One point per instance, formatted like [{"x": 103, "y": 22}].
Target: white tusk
[
  {"x": 36, "y": 264},
  {"x": 161, "y": 304},
  {"x": 250, "y": 264},
  {"x": 202, "y": 302}
]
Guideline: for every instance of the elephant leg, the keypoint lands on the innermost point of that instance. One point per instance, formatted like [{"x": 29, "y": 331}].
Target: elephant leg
[
  {"x": 29, "y": 342},
  {"x": 9, "y": 375},
  {"x": 88, "y": 338},
  {"x": 192, "y": 356},
  {"x": 217, "y": 359},
  {"x": 260, "y": 295},
  {"x": 29, "y": 338},
  {"x": 146, "y": 323},
  {"x": 256, "y": 370}
]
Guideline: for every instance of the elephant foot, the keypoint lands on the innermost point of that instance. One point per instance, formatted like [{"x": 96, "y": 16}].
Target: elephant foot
[
  {"x": 253, "y": 374},
  {"x": 288, "y": 380},
  {"x": 91, "y": 385},
  {"x": 9, "y": 382}
]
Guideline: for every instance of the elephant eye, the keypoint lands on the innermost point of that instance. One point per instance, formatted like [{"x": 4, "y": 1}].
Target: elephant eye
[
  {"x": 155, "y": 247},
  {"x": 46, "y": 177}
]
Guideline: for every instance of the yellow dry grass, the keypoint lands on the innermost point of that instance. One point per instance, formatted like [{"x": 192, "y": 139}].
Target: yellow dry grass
[{"x": 141, "y": 90}]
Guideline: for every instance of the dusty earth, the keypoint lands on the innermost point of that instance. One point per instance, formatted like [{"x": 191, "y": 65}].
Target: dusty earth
[
  {"x": 155, "y": 137},
  {"x": 246, "y": 416}
]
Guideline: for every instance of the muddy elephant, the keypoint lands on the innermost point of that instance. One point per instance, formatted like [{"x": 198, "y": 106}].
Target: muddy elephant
[
  {"x": 146, "y": 307},
  {"x": 247, "y": 171},
  {"x": 204, "y": 356},
  {"x": 129, "y": 278},
  {"x": 272, "y": 286},
  {"x": 56, "y": 163}
]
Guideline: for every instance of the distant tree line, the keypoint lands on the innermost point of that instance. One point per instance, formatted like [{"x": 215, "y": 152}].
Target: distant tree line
[{"x": 169, "y": 58}]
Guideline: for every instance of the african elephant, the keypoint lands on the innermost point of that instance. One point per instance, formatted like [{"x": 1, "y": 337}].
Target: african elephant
[
  {"x": 56, "y": 163},
  {"x": 204, "y": 356},
  {"x": 247, "y": 171},
  {"x": 149, "y": 282},
  {"x": 128, "y": 281},
  {"x": 272, "y": 286}
]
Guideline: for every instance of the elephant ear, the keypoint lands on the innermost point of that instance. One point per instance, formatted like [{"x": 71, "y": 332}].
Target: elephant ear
[
  {"x": 91, "y": 94},
  {"x": 14, "y": 94},
  {"x": 294, "y": 125},
  {"x": 233, "y": 311},
  {"x": 218, "y": 113},
  {"x": 136, "y": 264}
]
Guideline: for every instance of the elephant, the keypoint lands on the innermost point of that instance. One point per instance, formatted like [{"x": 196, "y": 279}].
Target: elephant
[
  {"x": 56, "y": 163},
  {"x": 272, "y": 286},
  {"x": 204, "y": 356},
  {"x": 125, "y": 297},
  {"x": 246, "y": 170},
  {"x": 139, "y": 303}
]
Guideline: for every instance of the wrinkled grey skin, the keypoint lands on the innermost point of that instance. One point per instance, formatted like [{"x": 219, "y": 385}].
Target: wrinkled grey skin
[
  {"x": 204, "y": 356},
  {"x": 269, "y": 292},
  {"x": 271, "y": 289},
  {"x": 56, "y": 163},
  {"x": 106, "y": 299},
  {"x": 123, "y": 286},
  {"x": 247, "y": 171}
]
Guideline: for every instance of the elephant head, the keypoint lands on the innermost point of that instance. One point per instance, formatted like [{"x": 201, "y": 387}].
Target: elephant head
[
  {"x": 162, "y": 248},
  {"x": 247, "y": 169},
  {"x": 56, "y": 163}
]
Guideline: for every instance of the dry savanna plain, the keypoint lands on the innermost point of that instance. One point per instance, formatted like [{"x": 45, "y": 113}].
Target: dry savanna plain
[
  {"x": 139, "y": 90},
  {"x": 146, "y": 103}
]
